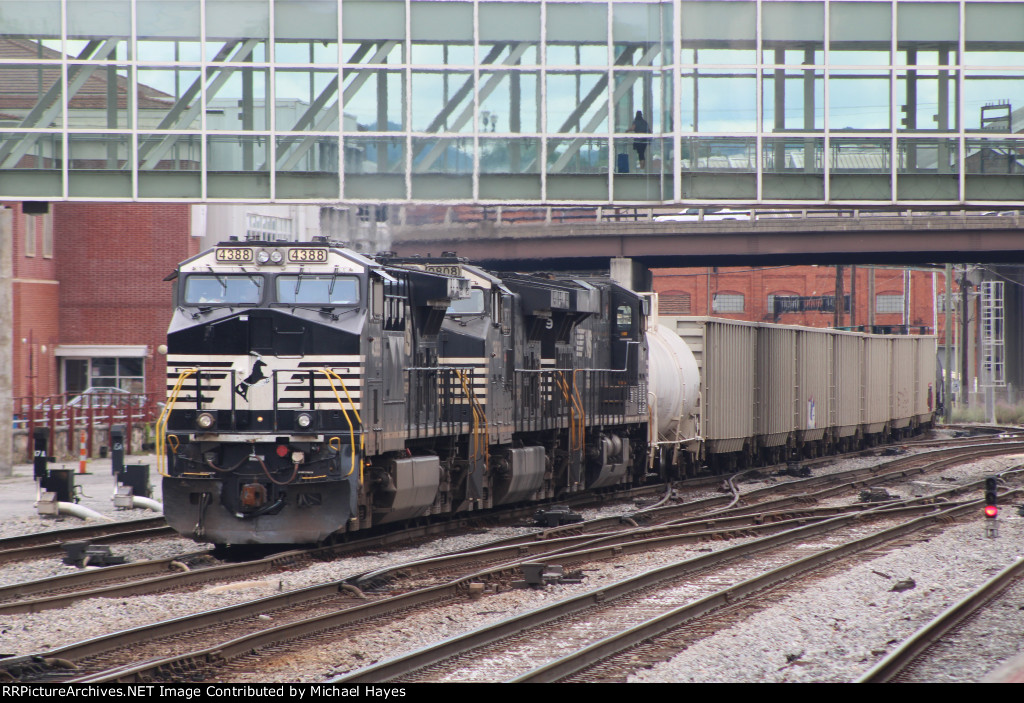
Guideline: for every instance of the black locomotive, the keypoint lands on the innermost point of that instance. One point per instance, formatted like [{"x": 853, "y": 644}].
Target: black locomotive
[{"x": 313, "y": 390}]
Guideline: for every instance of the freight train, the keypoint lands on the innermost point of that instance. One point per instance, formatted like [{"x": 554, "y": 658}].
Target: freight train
[{"x": 314, "y": 391}]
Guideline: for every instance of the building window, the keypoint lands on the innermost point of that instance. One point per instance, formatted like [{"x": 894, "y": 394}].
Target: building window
[
  {"x": 267, "y": 228},
  {"x": 674, "y": 303},
  {"x": 47, "y": 236},
  {"x": 30, "y": 236},
  {"x": 727, "y": 302},
  {"x": 125, "y": 373},
  {"x": 889, "y": 303}
]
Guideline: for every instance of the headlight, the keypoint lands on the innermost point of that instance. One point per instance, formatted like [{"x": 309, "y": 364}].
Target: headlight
[
  {"x": 205, "y": 421},
  {"x": 263, "y": 257},
  {"x": 277, "y": 257},
  {"x": 304, "y": 420}
]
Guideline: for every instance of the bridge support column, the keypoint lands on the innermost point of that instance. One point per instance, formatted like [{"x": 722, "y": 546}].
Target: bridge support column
[{"x": 632, "y": 274}]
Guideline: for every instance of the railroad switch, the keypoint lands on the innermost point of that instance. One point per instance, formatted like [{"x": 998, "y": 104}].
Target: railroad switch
[
  {"x": 794, "y": 469},
  {"x": 539, "y": 575},
  {"x": 555, "y": 516},
  {"x": 82, "y": 554},
  {"x": 876, "y": 495}
]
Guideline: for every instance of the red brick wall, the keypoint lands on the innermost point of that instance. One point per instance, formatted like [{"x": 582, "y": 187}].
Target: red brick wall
[
  {"x": 111, "y": 262},
  {"x": 756, "y": 284},
  {"x": 35, "y": 327}
]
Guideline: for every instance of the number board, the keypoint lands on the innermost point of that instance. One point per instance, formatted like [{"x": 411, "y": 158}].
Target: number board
[
  {"x": 307, "y": 256},
  {"x": 234, "y": 254},
  {"x": 444, "y": 269}
]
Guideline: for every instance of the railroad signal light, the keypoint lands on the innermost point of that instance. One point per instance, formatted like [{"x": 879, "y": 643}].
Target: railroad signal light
[
  {"x": 991, "y": 498},
  {"x": 991, "y": 507}
]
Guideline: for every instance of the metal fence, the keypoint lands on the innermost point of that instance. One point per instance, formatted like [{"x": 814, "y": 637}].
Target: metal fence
[{"x": 74, "y": 419}]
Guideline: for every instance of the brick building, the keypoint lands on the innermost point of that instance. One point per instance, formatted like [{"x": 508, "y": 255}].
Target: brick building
[
  {"x": 90, "y": 303},
  {"x": 803, "y": 295}
]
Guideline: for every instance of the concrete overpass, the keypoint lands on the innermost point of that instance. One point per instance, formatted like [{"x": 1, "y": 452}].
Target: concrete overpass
[{"x": 911, "y": 238}]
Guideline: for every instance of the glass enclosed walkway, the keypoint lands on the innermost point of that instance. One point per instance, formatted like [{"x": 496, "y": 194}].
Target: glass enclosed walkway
[{"x": 755, "y": 101}]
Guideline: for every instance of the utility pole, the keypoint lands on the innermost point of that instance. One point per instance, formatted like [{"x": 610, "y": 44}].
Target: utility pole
[
  {"x": 947, "y": 377},
  {"x": 965, "y": 330},
  {"x": 837, "y": 317},
  {"x": 853, "y": 296},
  {"x": 6, "y": 340}
]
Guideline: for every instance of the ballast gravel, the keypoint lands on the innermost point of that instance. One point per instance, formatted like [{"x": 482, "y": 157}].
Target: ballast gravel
[{"x": 834, "y": 629}]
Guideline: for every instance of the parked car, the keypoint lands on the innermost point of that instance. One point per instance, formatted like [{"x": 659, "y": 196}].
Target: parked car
[
  {"x": 98, "y": 397},
  {"x": 693, "y": 214}
]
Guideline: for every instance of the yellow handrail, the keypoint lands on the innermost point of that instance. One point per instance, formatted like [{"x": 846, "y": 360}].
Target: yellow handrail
[
  {"x": 165, "y": 415},
  {"x": 583, "y": 413},
  {"x": 331, "y": 375},
  {"x": 573, "y": 440},
  {"x": 479, "y": 428}
]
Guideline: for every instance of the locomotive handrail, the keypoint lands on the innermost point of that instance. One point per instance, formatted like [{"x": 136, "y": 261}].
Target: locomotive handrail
[
  {"x": 583, "y": 412},
  {"x": 575, "y": 433},
  {"x": 165, "y": 416},
  {"x": 478, "y": 412},
  {"x": 351, "y": 430}
]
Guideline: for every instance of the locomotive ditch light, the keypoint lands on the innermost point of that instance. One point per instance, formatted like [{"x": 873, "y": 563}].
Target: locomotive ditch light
[
  {"x": 205, "y": 421},
  {"x": 304, "y": 420}
]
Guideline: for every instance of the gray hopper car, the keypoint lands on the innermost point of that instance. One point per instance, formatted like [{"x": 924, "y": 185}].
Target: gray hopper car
[{"x": 774, "y": 392}]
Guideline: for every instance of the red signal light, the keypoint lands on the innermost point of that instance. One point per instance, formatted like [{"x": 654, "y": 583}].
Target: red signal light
[{"x": 991, "y": 511}]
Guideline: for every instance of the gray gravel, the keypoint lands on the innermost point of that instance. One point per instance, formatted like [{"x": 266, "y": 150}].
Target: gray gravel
[{"x": 833, "y": 631}]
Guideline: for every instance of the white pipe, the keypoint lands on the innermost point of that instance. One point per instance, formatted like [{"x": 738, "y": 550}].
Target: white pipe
[
  {"x": 81, "y": 512},
  {"x": 147, "y": 503}
]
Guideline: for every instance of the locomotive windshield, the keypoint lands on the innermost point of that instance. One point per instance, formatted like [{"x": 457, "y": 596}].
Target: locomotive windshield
[
  {"x": 326, "y": 289},
  {"x": 472, "y": 305},
  {"x": 220, "y": 289}
]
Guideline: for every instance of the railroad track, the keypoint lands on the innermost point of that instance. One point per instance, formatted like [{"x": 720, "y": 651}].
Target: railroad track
[
  {"x": 740, "y": 520},
  {"x": 196, "y": 569},
  {"x": 899, "y": 664},
  {"x": 49, "y": 543},
  {"x": 368, "y": 617},
  {"x": 592, "y": 636}
]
